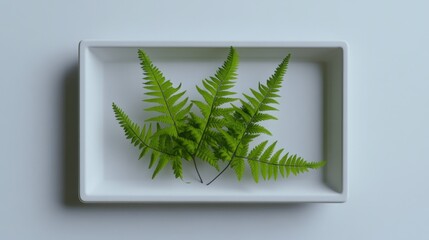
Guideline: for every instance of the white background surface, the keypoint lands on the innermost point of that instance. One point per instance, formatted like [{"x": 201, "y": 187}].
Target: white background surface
[{"x": 388, "y": 117}]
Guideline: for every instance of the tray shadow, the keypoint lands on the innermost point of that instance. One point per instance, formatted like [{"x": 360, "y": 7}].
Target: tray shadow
[{"x": 70, "y": 136}]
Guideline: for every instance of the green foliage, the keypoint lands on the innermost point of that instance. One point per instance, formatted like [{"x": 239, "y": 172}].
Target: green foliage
[
  {"x": 222, "y": 131},
  {"x": 167, "y": 100},
  {"x": 145, "y": 141},
  {"x": 200, "y": 133}
]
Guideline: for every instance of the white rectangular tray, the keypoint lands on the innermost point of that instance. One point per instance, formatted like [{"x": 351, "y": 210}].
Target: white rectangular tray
[{"x": 312, "y": 120}]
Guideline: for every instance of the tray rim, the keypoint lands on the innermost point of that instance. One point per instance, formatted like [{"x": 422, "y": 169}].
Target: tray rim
[
  {"x": 136, "y": 43},
  {"x": 340, "y": 197}
]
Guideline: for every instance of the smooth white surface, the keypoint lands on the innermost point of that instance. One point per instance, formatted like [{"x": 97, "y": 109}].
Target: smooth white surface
[
  {"x": 310, "y": 121},
  {"x": 388, "y": 117}
]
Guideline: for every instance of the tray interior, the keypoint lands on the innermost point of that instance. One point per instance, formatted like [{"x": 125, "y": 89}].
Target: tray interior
[{"x": 310, "y": 123}]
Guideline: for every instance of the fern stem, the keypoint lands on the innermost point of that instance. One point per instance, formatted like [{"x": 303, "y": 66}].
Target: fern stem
[
  {"x": 205, "y": 127},
  {"x": 223, "y": 170},
  {"x": 196, "y": 169}
]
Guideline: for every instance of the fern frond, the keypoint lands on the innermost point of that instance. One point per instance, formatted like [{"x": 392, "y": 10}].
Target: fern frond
[
  {"x": 177, "y": 167},
  {"x": 264, "y": 161},
  {"x": 144, "y": 140},
  {"x": 206, "y": 154},
  {"x": 186, "y": 144},
  {"x": 138, "y": 137},
  {"x": 215, "y": 92},
  {"x": 243, "y": 127},
  {"x": 250, "y": 112},
  {"x": 238, "y": 166},
  {"x": 254, "y": 154},
  {"x": 162, "y": 162},
  {"x": 168, "y": 100}
]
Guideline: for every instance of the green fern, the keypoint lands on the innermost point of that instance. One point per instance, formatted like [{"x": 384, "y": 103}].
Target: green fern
[
  {"x": 263, "y": 162},
  {"x": 167, "y": 100},
  {"x": 221, "y": 132},
  {"x": 144, "y": 140},
  {"x": 200, "y": 132}
]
